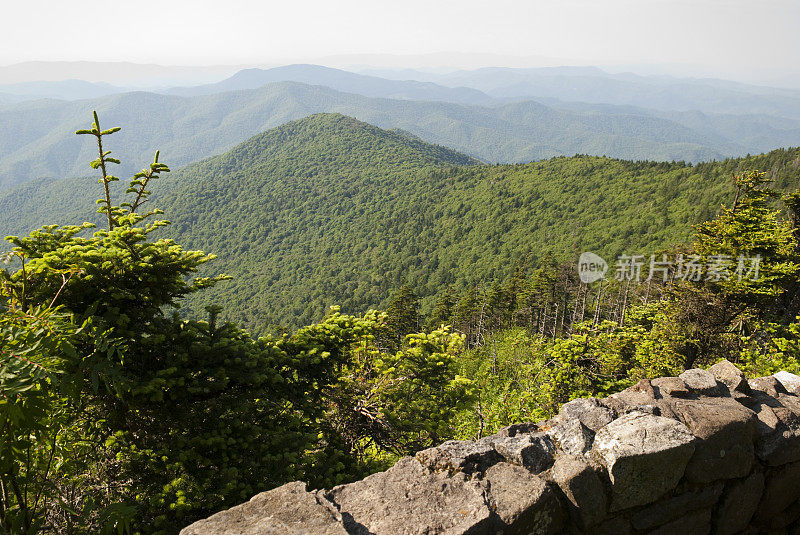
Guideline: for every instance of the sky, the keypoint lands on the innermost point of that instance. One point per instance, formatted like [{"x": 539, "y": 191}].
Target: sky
[{"x": 733, "y": 36}]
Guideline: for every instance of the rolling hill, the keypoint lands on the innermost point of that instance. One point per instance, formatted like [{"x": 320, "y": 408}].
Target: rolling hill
[
  {"x": 330, "y": 210},
  {"x": 190, "y": 128}
]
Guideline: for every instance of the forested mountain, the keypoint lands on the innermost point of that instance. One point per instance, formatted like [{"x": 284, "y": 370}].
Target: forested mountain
[
  {"x": 593, "y": 85},
  {"x": 762, "y": 133},
  {"x": 191, "y": 128},
  {"x": 330, "y": 210},
  {"x": 348, "y": 82}
]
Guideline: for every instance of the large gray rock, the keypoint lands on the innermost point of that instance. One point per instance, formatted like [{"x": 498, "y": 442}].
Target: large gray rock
[
  {"x": 286, "y": 509},
  {"x": 778, "y": 431},
  {"x": 668, "y": 510},
  {"x": 728, "y": 374},
  {"x": 790, "y": 381},
  {"x": 582, "y": 488},
  {"x": 572, "y": 436},
  {"x": 694, "y": 523},
  {"x": 589, "y": 411},
  {"x": 666, "y": 387},
  {"x": 645, "y": 457},
  {"x": 791, "y": 402},
  {"x": 781, "y": 490},
  {"x": 727, "y": 431},
  {"x": 534, "y": 452},
  {"x": 524, "y": 503},
  {"x": 702, "y": 382},
  {"x": 460, "y": 456},
  {"x": 769, "y": 385},
  {"x": 738, "y": 504},
  {"x": 408, "y": 499},
  {"x": 640, "y": 397}
]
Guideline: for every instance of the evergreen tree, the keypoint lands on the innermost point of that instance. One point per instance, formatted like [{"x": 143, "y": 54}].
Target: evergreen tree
[
  {"x": 402, "y": 315},
  {"x": 443, "y": 311}
]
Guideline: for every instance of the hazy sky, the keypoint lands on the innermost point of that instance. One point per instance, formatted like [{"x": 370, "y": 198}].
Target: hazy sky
[{"x": 726, "y": 34}]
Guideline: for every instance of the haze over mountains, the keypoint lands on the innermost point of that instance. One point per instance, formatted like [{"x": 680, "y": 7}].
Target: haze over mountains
[
  {"x": 61, "y": 90},
  {"x": 489, "y": 114},
  {"x": 593, "y": 85},
  {"x": 120, "y": 73},
  {"x": 348, "y": 82}
]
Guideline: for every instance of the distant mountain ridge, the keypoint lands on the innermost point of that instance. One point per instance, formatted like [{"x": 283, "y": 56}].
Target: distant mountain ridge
[
  {"x": 595, "y": 86},
  {"x": 485, "y": 85},
  {"x": 190, "y": 128},
  {"x": 344, "y": 81}
]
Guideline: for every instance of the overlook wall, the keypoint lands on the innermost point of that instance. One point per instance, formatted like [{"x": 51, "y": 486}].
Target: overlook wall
[{"x": 706, "y": 452}]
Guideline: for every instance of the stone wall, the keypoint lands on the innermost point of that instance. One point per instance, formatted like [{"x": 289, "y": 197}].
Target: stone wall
[{"x": 706, "y": 452}]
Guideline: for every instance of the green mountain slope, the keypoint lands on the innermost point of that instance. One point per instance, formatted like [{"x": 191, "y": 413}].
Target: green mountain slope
[
  {"x": 190, "y": 128},
  {"x": 760, "y": 133},
  {"x": 330, "y": 210}
]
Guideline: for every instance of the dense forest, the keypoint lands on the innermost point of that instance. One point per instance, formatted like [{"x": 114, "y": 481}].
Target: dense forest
[
  {"x": 123, "y": 416},
  {"x": 332, "y": 211}
]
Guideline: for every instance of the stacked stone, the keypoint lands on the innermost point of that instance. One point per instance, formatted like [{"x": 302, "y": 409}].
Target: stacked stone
[{"x": 705, "y": 452}]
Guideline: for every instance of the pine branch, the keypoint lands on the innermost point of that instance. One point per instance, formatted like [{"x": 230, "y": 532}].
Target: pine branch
[{"x": 101, "y": 162}]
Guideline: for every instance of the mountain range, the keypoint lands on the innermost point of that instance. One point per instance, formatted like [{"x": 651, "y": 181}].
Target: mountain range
[
  {"x": 344, "y": 81},
  {"x": 593, "y": 85},
  {"x": 188, "y": 128},
  {"x": 331, "y": 210}
]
